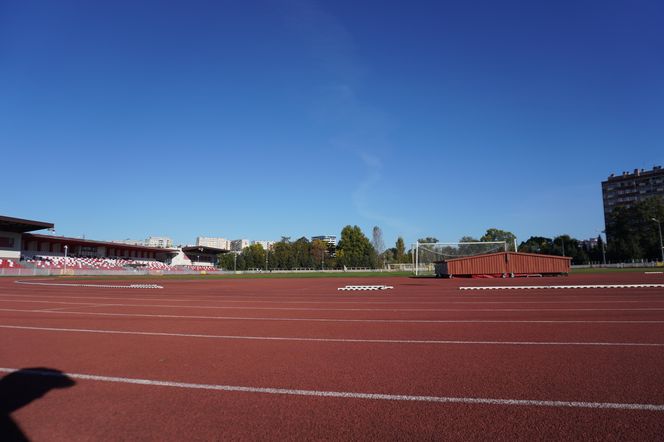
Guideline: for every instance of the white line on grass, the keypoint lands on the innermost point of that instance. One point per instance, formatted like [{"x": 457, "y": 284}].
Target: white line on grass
[
  {"x": 337, "y": 340},
  {"x": 390, "y": 321},
  {"x": 347, "y": 394}
]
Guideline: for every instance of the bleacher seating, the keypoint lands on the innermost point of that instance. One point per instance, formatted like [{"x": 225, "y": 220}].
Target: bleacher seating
[
  {"x": 88, "y": 263},
  {"x": 9, "y": 264}
]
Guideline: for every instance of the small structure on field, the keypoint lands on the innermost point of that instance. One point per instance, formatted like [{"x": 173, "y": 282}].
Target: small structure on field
[{"x": 503, "y": 265}]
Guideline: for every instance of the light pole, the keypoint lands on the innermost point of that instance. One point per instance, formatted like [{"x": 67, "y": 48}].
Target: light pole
[
  {"x": 661, "y": 247},
  {"x": 66, "y": 247}
]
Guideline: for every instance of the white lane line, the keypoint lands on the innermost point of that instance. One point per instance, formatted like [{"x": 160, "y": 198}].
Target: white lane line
[
  {"x": 589, "y": 286},
  {"x": 313, "y": 309},
  {"x": 388, "y": 321},
  {"x": 336, "y": 340},
  {"x": 111, "y": 286},
  {"x": 348, "y": 394},
  {"x": 478, "y": 301}
]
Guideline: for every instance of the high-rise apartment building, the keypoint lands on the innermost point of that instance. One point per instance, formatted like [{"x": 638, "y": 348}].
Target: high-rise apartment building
[{"x": 627, "y": 189}]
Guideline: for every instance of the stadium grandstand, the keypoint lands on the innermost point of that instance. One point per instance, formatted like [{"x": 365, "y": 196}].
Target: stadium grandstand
[{"x": 24, "y": 252}]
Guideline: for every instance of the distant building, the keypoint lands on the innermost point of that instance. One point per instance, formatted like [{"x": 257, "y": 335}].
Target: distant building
[
  {"x": 130, "y": 242},
  {"x": 267, "y": 245},
  {"x": 218, "y": 243},
  {"x": 159, "y": 241},
  {"x": 627, "y": 189},
  {"x": 237, "y": 245},
  {"x": 331, "y": 240},
  {"x": 589, "y": 244}
]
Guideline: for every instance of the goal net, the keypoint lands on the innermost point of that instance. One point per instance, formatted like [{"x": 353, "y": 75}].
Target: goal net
[{"x": 426, "y": 254}]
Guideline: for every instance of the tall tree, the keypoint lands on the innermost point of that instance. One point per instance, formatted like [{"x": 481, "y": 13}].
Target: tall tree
[
  {"x": 377, "y": 240},
  {"x": 302, "y": 253},
  {"x": 400, "y": 250},
  {"x": 282, "y": 256},
  {"x": 319, "y": 254},
  {"x": 494, "y": 234},
  {"x": 537, "y": 244},
  {"x": 631, "y": 232},
  {"x": 355, "y": 249}
]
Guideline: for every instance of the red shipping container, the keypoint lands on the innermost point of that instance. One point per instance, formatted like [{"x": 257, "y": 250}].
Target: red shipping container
[{"x": 504, "y": 264}]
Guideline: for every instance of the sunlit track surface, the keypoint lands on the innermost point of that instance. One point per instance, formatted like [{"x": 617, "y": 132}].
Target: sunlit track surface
[{"x": 296, "y": 359}]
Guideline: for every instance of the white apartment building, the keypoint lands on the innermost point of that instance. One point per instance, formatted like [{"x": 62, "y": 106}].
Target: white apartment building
[
  {"x": 217, "y": 243},
  {"x": 159, "y": 241}
]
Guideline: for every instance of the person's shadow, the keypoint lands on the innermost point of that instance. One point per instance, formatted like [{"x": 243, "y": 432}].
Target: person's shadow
[{"x": 21, "y": 387}]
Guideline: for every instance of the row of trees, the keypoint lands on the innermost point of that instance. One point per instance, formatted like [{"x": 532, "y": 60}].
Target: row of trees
[
  {"x": 632, "y": 234},
  {"x": 354, "y": 250}
]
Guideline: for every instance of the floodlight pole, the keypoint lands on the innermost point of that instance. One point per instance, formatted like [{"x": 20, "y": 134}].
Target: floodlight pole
[
  {"x": 65, "y": 269},
  {"x": 661, "y": 246}
]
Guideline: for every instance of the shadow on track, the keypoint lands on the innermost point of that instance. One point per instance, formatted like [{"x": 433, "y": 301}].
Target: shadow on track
[{"x": 21, "y": 387}]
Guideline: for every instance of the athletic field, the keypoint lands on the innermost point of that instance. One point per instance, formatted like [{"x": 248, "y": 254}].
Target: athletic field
[{"x": 297, "y": 359}]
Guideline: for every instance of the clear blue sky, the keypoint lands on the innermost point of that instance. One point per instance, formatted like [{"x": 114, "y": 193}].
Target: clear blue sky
[{"x": 260, "y": 119}]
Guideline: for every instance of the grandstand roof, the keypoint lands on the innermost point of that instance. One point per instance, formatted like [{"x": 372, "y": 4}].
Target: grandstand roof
[
  {"x": 203, "y": 249},
  {"x": 18, "y": 225},
  {"x": 89, "y": 242}
]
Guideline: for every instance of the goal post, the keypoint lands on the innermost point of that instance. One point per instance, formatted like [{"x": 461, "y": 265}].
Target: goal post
[{"x": 426, "y": 254}]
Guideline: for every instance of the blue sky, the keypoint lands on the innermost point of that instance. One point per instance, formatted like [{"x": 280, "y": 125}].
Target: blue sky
[{"x": 267, "y": 118}]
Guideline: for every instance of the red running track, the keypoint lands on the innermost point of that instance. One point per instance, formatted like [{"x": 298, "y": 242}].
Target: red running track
[{"x": 297, "y": 359}]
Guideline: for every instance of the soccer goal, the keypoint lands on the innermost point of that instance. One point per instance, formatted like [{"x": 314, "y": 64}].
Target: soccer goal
[{"x": 426, "y": 254}]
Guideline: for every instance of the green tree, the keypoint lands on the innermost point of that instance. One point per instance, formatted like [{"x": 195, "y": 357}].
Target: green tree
[
  {"x": 537, "y": 244},
  {"x": 302, "y": 253},
  {"x": 254, "y": 256},
  {"x": 631, "y": 232},
  {"x": 494, "y": 234},
  {"x": 319, "y": 253},
  {"x": 400, "y": 251},
  {"x": 355, "y": 249},
  {"x": 281, "y": 256}
]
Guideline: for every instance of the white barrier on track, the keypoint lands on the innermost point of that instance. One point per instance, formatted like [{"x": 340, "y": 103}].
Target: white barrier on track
[
  {"x": 366, "y": 287},
  {"x": 110, "y": 286},
  {"x": 594, "y": 286}
]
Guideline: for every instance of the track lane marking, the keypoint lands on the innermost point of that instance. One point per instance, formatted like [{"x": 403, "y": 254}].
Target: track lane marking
[
  {"x": 555, "y": 287},
  {"x": 479, "y": 300},
  {"x": 219, "y": 307},
  {"x": 349, "y": 394},
  {"x": 335, "y": 340},
  {"x": 406, "y": 321}
]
